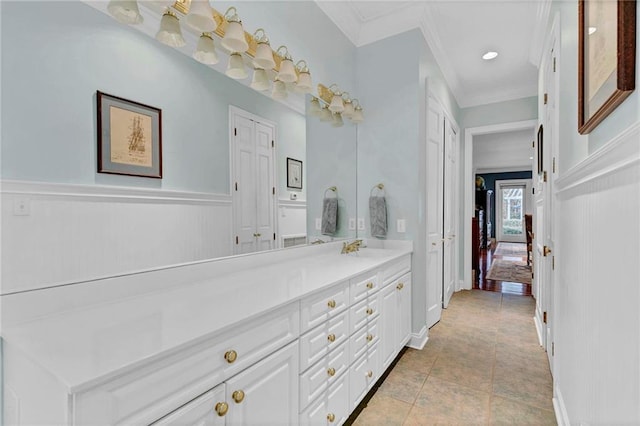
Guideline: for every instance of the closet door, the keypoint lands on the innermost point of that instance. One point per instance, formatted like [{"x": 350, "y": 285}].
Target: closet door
[{"x": 265, "y": 187}]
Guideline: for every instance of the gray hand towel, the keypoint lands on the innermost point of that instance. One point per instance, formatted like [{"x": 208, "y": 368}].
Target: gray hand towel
[
  {"x": 329, "y": 216},
  {"x": 378, "y": 216}
]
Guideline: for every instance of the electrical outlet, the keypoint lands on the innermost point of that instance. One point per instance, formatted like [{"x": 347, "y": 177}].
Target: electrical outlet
[
  {"x": 402, "y": 226},
  {"x": 352, "y": 224},
  {"x": 21, "y": 207},
  {"x": 361, "y": 224},
  {"x": 318, "y": 224}
]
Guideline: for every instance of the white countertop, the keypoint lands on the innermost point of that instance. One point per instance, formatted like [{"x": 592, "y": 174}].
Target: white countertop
[{"x": 85, "y": 346}]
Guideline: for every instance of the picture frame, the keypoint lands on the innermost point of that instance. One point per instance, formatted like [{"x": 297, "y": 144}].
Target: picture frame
[
  {"x": 129, "y": 137},
  {"x": 294, "y": 173},
  {"x": 606, "y": 58},
  {"x": 540, "y": 147}
]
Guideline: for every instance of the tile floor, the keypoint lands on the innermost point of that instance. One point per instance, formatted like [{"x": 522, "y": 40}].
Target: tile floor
[{"x": 481, "y": 365}]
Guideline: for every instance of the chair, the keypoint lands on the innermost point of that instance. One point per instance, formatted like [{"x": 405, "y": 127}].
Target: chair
[{"x": 528, "y": 227}]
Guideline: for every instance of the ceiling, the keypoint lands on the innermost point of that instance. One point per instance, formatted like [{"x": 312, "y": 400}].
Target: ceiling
[{"x": 459, "y": 32}]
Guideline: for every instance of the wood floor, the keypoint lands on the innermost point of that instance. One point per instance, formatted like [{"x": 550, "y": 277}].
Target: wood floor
[{"x": 505, "y": 287}]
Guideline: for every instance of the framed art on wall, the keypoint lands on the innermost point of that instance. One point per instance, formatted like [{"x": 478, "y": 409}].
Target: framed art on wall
[
  {"x": 294, "y": 173},
  {"x": 606, "y": 58},
  {"x": 129, "y": 137}
]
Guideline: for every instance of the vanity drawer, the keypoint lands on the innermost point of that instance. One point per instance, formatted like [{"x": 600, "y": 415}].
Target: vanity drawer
[
  {"x": 364, "y": 338},
  {"x": 316, "y": 309},
  {"x": 316, "y": 379},
  {"x": 364, "y": 286},
  {"x": 396, "y": 268},
  {"x": 200, "y": 411},
  {"x": 318, "y": 342},
  {"x": 332, "y": 408},
  {"x": 160, "y": 387},
  {"x": 363, "y": 312},
  {"x": 363, "y": 375}
]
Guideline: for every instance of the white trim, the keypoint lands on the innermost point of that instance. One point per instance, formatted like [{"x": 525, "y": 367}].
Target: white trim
[
  {"x": 562, "y": 417},
  {"x": 621, "y": 152},
  {"x": 539, "y": 326},
  {"x": 291, "y": 204},
  {"x": 105, "y": 193},
  {"x": 543, "y": 10},
  {"x": 418, "y": 340},
  {"x": 526, "y": 168}
]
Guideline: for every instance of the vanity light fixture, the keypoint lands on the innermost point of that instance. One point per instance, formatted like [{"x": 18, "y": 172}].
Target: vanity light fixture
[
  {"x": 170, "y": 33},
  {"x": 234, "y": 39},
  {"x": 279, "y": 90},
  {"x": 206, "y": 50},
  {"x": 125, "y": 11},
  {"x": 260, "y": 80},
  {"x": 336, "y": 101},
  {"x": 200, "y": 16},
  {"x": 490, "y": 55},
  {"x": 235, "y": 67},
  {"x": 264, "y": 55},
  {"x": 357, "y": 116},
  {"x": 325, "y": 114},
  {"x": 337, "y": 120},
  {"x": 314, "y": 107},
  {"x": 303, "y": 85},
  {"x": 348, "y": 105},
  {"x": 287, "y": 73}
]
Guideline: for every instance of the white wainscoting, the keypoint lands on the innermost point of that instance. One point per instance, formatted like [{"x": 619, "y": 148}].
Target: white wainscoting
[
  {"x": 292, "y": 219},
  {"x": 597, "y": 290},
  {"x": 69, "y": 233}
]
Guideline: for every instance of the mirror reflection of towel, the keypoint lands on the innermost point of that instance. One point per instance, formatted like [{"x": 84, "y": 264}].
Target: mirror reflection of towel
[
  {"x": 329, "y": 216},
  {"x": 378, "y": 216}
]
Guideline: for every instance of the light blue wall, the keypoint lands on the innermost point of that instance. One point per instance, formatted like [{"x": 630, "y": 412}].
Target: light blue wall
[
  {"x": 56, "y": 55},
  {"x": 500, "y": 112}
]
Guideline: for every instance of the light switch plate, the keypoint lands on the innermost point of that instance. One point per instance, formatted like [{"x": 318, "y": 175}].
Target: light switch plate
[
  {"x": 361, "y": 223},
  {"x": 318, "y": 224},
  {"x": 352, "y": 224},
  {"x": 402, "y": 226}
]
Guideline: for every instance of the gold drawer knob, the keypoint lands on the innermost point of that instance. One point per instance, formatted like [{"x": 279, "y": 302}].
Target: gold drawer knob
[
  {"x": 222, "y": 408},
  {"x": 369, "y": 285},
  {"x": 331, "y": 304},
  {"x": 331, "y": 372},
  {"x": 231, "y": 356},
  {"x": 400, "y": 286},
  {"x": 369, "y": 311},
  {"x": 369, "y": 337},
  {"x": 369, "y": 373},
  {"x": 238, "y": 396},
  {"x": 331, "y": 417},
  {"x": 331, "y": 337}
]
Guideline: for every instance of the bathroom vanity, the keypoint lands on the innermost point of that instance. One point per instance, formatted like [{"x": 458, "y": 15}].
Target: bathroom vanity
[{"x": 296, "y": 336}]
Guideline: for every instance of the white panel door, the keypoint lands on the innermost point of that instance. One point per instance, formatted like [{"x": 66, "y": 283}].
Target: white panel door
[
  {"x": 434, "y": 213},
  {"x": 450, "y": 216},
  {"x": 388, "y": 326},
  {"x": 265, "y": 187}
]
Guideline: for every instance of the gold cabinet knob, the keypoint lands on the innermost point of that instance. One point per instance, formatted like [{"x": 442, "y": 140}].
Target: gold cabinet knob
[
  {"x": 331, "y": 372},
  {"x": 400, "y": 286},
  {"x": 238, "y": 396},
  {"x": 331, "y": 417},
  {"x": 369, "y": 373},
  {"x": 369, "y": 337},
  {"x": 369, "y": 285},
  {"x": 222, "y": 408},
  {"x": 231, "y": 356},
  {"x": 331, "y": 304},
  {"x": 331, "y": 337},
  {"x": 369, "y": 311}
]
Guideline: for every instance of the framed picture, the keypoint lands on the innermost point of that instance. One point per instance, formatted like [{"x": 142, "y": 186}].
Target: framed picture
[
  {"x": 129, "y": 137},
  {"x": 606, "y": 58},
  {"x": 540, "y": 149},
  {"x": 294, "y": 173}
]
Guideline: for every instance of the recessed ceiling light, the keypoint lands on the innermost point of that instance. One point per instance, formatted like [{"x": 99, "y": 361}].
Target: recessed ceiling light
[
  {"x": 592, "y": 30},
  {"x": 489, "y": 55}
]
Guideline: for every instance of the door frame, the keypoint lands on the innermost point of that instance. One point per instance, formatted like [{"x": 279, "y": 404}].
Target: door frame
[
  {"x": 469, "y": 183},
  {"x": 527, "y": 203}
]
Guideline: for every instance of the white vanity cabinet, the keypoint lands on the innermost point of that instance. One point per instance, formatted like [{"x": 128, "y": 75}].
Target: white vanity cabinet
[
  {"x": 206, "y": 410},
  {"x": 395, "y": 317}
]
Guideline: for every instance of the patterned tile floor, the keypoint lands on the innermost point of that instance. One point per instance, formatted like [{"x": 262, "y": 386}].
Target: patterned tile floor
[{"x": 481, "y": 365}]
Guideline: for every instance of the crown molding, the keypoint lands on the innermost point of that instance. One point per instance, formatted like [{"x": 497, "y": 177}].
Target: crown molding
[
  {"x": 543, "y": 11},
  {"x": 343, "y": 17}
]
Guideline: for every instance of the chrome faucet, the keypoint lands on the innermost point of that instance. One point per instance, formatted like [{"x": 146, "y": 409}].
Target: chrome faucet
[
  {"x": 351, "y": 247},
  {"x": 318, "y": 241}
]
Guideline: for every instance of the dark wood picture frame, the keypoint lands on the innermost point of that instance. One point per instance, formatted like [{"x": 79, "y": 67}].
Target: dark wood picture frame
[
  {"x": 294, "y": 173},
  {"x": 129, "y": 137},
  {"x": 540, "y": 149},
  {"x": 625, "y": 67}
]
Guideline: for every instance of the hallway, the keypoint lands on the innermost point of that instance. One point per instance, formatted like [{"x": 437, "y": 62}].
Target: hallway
[{"x": 481, "y": 365}]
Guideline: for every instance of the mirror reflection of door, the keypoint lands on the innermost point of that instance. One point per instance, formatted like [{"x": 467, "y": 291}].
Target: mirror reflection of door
[{"x": 512, "y": 202}]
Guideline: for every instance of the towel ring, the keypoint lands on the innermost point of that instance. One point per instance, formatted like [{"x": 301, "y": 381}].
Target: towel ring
[
  {"x": 332, "y": 188},
  {"x": 379, "y": 187}
]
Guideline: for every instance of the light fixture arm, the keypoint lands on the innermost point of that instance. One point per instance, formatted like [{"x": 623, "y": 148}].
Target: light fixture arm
[
  {"x": 285, "y": 54},
  {"x": 232, "y": 17},
  {"x": 260, "y": 36},
  {"x": 302, "y": 66}
]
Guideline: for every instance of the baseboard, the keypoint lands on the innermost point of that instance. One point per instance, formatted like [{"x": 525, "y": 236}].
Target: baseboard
[
  {"x": 562, "y": 418},
  {"x": 539, "y": 328},
  {"x": 418, "y": 340}
]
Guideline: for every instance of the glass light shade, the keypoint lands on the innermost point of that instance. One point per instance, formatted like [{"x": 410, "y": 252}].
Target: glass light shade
[
  {"x": 348, "y": 109},
  {"x": 234, "y": 39},
  {"x": 357, "y": 116},
  {"x": 260, "y": 80},
  {"x": 170, "y": 33},
  {"x": 200, "y": 16},
  {"x": 279, "y": 90},
  {"x": 235, "y": 67},
  {"x": 264, "y": 57},
  {"x": 314, "y": 107},
  {"x": 337, "y": 120},
  {"x": 304, "y": 83},
  {"x": 336, "y": 103},
  {"x": 125, "y": 11},
  {"x": 325, "y": 114},
  {"x": 287, "y": 72},
  {"x": 206, "y": 51}
]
